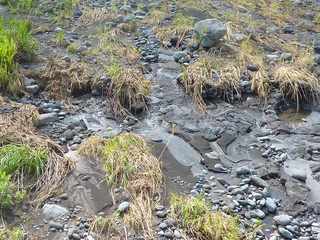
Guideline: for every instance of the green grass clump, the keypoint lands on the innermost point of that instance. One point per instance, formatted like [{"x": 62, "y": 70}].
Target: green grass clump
[
  {"x": 22, "y": 159},
  {"x": 19, "y": 6},
  {"x": 6, "y": 190},
  {"x": 20, "y": 32},
  {"x": 8, "y": 67},
  {"x": 16, "y": 43},
  {"x": 127, "y": 162},
  {"x": 16, "y": 233},
  {"x": 17, "y": 161},
  {"x": 195, "y": 217},
  {"x": 60, "y": 38}
]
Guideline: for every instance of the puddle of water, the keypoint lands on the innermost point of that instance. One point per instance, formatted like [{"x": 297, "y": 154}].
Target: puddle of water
[
  {"x": 294, "y": 117},
  {"x": 299, "y": 165}
]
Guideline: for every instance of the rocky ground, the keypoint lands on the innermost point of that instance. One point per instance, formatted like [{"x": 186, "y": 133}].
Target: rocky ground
[{"x": 256, "y": 159}]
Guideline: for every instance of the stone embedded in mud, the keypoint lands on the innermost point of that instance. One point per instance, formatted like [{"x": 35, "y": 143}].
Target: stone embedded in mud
[
  {"x": 123, "y": 207},
  {"x": 257, "y": 213},
  {"x": 258, "y": 181},
  {"x": 55, "y": 225},
  {"x": 285, "y": 233},
  {"x": 46, "y": 118},
  {"x": 181, "y": 57},
  {"x": 283, "y": 219},
  {"x": 209, "y": 32},
  {"x": 243, "y": 170},
  {"x": 33, "y": 89},
  {"x": 53, "y": 211},
  {"x": 271, "y": 205}
]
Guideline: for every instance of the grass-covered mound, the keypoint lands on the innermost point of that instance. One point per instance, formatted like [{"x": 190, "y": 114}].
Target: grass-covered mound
[
  {"x": 29, "y": 162},
  {"x": 129, "y": 164}
]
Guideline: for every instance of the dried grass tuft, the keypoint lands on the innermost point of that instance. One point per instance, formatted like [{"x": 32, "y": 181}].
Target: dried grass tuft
[
  {"x": 209, "y": 74},
  {"x": 297, "y": 83},
  {"x": 94, "y": 15},
  {"x": 129, "y": 90},
  {"x": 66, "y": 79},
  {"x": 140, "y": 216}
]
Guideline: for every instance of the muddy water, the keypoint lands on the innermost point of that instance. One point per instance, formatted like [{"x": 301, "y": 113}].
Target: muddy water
[{"x": 293, "y": 116}]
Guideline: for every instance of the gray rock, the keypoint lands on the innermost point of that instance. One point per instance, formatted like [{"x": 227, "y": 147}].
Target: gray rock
[
  {"x": 123, "y": 207},
  {"x": 257, "y": 213},
  {"x": 209, "y": 32},
  {"x": 258, "y": 181},
  {"x": 33, "y": 89},
  {"x": 55, "y": 225},
  {"x": 271, "y": 205},
  {"x": 244, "y": 170},
  {"x": 177, "y": 234},
  {"x": 285, "y": 233},
  {"x": 161, "y": 214},
  {"x": 181, "y": 57},
  {"x": 46, "y": 118},
  {"x": 163, "y": 226},
  {"x": 53, "y": 211},
  {"x": 283, "y": 219},
  {"x": 69, "y": 134}
]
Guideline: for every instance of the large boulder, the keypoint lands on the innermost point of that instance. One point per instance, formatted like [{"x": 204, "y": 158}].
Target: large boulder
[{"x": 209, "y": 32}]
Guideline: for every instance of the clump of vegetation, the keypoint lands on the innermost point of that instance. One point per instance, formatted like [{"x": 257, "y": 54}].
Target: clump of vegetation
[
  {"x": 16, "y": 163},
  {"x": 92, "y": 147},
  {"x": 15, "y": 233},
  {"x": 250, "y": 54},
  {"x": 22, "y": 159},
  {"x": 73, "y": 48},
  {"x": 195, "y": 217},
  {"x": 20, "y": 32},
  {"x": 60, "y": 38},
  {"x": 66, "y": 79},
  {"x": 6, "y": 191},
  {"x": 211, "y": 76},
  {"x": 104, "y": 227},
  {"x": 297, "y": 83},
  {"x": 19, "y": 6},
  {"x": 129, "y": 164},
  {"x": 178, "y": 29},
  {"x": 112, "y": 44},
  {"x": 33, "y": 162},
  {"x": 94, "y": 15},
  {"x": 129, "y": 90},
  {"x": 140, "y": 216},
  {"x": 157, "y": 15},
  {"x": 16, "y": 43},
  {"x": 64, "y": 9}
]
